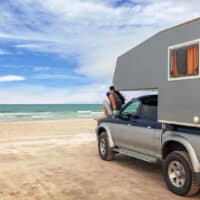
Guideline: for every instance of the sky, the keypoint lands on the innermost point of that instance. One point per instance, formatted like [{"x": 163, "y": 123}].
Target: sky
[{"x": 65, "y": 51}]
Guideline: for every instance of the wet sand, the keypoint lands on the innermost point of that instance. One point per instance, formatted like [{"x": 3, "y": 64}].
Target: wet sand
[{"x": 58, "y": 160}]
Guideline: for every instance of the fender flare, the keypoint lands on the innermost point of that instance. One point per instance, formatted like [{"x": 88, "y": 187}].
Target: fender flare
[
  {"x": 188, "y": 147},
  {"x": 106, "y": 128}
]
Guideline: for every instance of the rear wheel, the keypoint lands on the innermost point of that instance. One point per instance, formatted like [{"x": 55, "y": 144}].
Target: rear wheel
[
  {"x": 105, "y": 151},
  {"x": 179, "y": 174}
]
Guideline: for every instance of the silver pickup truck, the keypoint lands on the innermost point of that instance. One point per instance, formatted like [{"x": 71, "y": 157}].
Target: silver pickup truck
[{"x": 136, "y": 132}]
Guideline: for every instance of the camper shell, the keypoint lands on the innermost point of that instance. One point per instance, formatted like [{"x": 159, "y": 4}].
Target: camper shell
[{"x": 169, "y": 63}]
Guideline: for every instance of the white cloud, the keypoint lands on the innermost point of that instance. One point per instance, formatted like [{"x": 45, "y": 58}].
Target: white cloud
[
  {"x": 9, "y": 78},
  {"x": 3, "y": 52},
  {"x": 55, "y": 76},
  {"x": 41, "y": 68},
  {"x": 39, "y": 94},
  {"x": 93, "y": 29}
]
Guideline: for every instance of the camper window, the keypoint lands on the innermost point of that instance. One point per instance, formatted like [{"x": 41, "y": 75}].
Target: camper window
[{"x": 184, "y": 61}]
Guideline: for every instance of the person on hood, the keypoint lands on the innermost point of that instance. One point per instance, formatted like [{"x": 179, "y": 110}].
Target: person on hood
[{"x": 117, "y": 99}]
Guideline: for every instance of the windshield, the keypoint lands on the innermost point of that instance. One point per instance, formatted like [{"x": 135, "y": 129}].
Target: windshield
[{"x": 131, "y": 109}]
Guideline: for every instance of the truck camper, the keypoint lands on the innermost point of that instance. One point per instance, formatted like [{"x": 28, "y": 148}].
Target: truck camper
[{"x": 167, "y": 62}]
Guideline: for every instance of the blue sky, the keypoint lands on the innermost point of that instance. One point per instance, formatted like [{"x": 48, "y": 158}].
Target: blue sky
[{"x": 65, "y": 51}]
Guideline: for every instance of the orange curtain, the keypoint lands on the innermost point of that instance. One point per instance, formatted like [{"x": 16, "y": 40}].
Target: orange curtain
[
  {"x": 192, "y": 60},
  {"x": 174, "y": 64}
]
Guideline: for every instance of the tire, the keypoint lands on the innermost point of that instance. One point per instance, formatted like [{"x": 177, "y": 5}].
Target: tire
[
  {"x": 179, "y": 175},
  {"x": 105, "y": 151}
]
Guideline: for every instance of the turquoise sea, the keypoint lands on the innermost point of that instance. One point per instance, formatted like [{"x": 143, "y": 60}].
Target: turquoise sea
[{"x": 12, "y": 112}]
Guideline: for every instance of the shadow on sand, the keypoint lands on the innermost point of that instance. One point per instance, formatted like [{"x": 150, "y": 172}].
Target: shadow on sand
[{"x": 151, "y": 170}]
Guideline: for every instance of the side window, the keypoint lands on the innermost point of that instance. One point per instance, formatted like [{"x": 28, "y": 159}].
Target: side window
[
  {"x": 131, "y": 109},
  {"x": 184, "y": 61},
  {"x": 149, "y": 111}
]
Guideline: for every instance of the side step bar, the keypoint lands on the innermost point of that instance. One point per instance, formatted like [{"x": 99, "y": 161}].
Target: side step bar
[{"x": 137, "y": 155}]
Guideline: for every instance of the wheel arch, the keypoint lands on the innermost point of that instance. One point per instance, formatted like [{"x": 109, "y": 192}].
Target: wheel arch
[
  {"x": 170, "y": 146},
  {"x": 177, "y": 143},
  {"x": 105, "y": 128}
]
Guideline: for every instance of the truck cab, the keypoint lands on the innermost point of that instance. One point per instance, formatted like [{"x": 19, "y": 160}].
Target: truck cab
[{"x": 136, "y": 132}]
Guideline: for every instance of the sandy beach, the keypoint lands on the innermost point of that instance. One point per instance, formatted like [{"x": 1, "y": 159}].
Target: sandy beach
[{"x": 58, "y": 160}]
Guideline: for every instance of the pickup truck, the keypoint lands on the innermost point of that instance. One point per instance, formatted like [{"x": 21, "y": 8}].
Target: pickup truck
[{"x": 135, "y": 132}]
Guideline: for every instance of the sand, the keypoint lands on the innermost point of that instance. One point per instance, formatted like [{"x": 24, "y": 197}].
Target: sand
[{"x": 58, "y": 160}]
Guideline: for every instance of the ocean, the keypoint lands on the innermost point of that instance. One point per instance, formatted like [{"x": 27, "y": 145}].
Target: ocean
[{"x": 12, "y": 112}]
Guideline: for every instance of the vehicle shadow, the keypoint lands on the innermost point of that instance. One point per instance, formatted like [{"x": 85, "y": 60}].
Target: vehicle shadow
[
  {"x": 150, "y": 171},
  {"x": 137, "y": 164}
]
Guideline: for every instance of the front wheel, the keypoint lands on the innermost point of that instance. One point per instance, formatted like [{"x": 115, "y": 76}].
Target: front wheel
[
  {"x": 179, "y": 174},
  {"x": 105, "y": 151}
]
